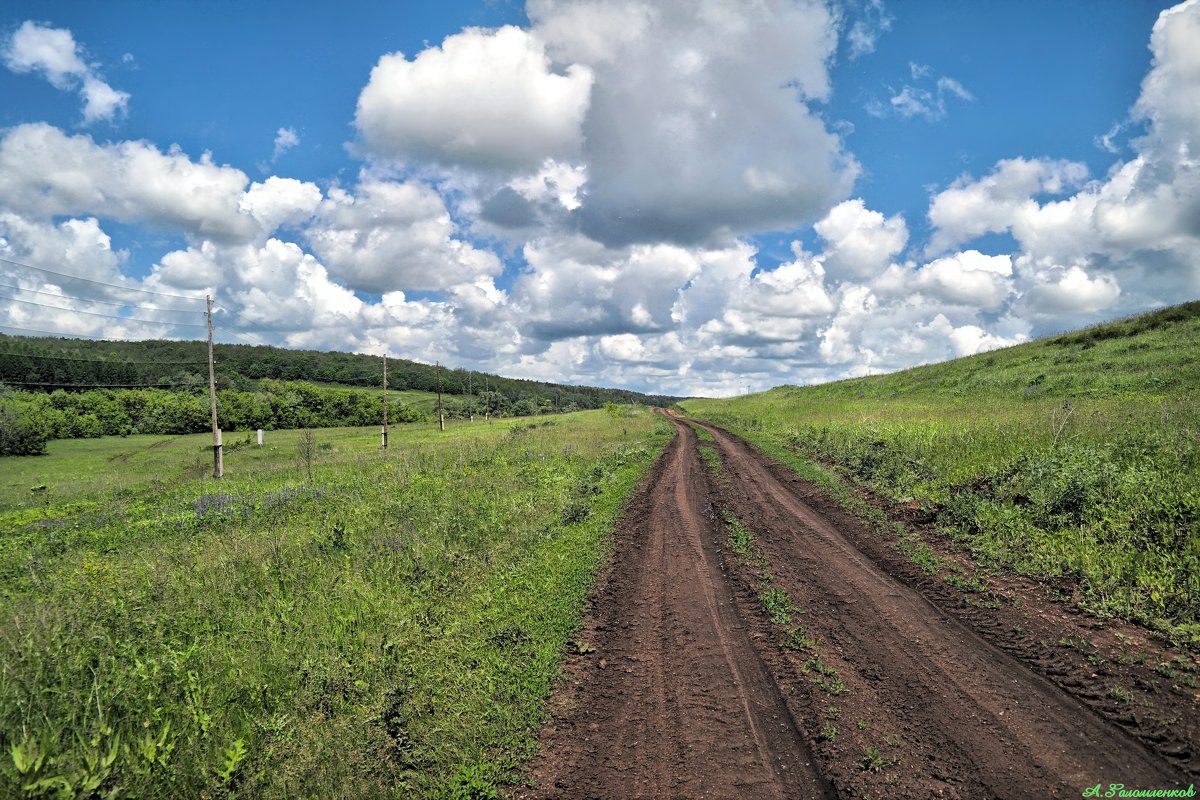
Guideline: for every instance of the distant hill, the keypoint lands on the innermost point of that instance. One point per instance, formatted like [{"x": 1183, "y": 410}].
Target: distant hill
[
  {"x": 1073, "y": 456},
  {"x": 46, "y": 364},
  {"x": 1156, "y": 354}
]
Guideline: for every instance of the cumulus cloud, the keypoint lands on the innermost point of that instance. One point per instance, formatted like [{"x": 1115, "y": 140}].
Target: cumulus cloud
[
  {"x": 971, "y": 208},
  {"x": 277, "y": 201},
  {"x": 1070, "y": 291},
  {"x": 969, "y": 278},
  {"x": 627, "y": 200},
  {"x": 1103, "y": 246},
  {"x": 671, "y": 152},
  {"x": 54, "y": 54},
  {"x": 772, "y": 306},
  {"x": 576, "y": 286},
  {"x": 45, "y": 172},
  {"x": 860, "y": 243},
  {"x": 389, "y": 236},
  {"x": 484, "y": 99}
]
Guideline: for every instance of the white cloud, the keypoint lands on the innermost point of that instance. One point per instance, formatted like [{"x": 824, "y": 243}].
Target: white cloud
[
  {"x": 1109, "y": 246},
  {"x": 1071, "y": 291},
  {"x": 629, "y": 209},
  {"x": 968, "y": 209},
  {"x": 486, "y": 99},
  {"x": 576, "y": 286},
  {"x": 390, "y": 235},
  {"x": 558, "y": 181},
  {"x": 969, "y": 278},
  {"x": 280, "y": 201},
  {"x": 925, "y": 97},
  {"x": 45, "y": 172},
  {"x": 285, "y": 139},
  {"x": 875, "y": 20},
  {"x": 1170, "y": 96},
  {"x": 780, "y": 305},
  {"x": 860, "y": 243},
  {"x": 54, "y": 54},
  {"x": 74, "y": 247},
  {"x": 672, "y": 153}
]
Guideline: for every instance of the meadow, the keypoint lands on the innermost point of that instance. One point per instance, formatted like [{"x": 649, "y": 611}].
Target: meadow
[
  {"x": 328, "y": 620},
  {"x": 1074, "y": 458}
]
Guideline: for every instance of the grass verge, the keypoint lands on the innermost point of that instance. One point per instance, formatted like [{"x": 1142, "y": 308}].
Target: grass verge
[
  {"x": 388, "y": 627},
  {"x": 1071, "y": 457}
]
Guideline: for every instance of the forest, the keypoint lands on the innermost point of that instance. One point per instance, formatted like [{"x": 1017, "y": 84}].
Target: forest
[{"x": 53, "y": 388}]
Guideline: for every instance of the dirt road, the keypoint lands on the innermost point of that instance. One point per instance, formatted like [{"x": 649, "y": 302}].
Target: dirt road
[{"x": 883, "y": 693}]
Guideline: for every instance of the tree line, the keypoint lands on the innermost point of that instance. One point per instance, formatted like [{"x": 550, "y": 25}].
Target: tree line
[
  {"x": 52, "y": 363},
  {"x": 45, "y": 390}
]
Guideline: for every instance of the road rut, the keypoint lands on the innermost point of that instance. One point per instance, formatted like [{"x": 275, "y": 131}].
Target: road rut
[{"x": 688, "y": 694}]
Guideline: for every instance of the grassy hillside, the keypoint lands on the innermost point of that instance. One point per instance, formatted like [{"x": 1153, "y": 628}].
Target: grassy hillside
[
  {"x": 328, "y": 618},
  {"x": 1075, "y": 456}
]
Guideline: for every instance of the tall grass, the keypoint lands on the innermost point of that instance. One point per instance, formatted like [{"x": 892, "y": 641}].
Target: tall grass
[
  {"x": 1075, "y": 457},
  {"x": 388, "y": 627}
]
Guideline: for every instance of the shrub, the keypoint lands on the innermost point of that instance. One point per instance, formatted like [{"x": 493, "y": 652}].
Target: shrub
[{"x": 19, "y": 435}]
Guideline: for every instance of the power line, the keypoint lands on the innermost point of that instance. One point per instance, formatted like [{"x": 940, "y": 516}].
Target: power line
[
  {"x": 103, "y": 360},
  {"x": 108, "y": 316},
  {"x": 102, "y": 302},
  {"x": 88, "y": 336},
  {"x": 98, "y": 283}
]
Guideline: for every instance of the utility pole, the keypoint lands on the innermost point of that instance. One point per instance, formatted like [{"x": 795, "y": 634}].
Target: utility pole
[
  {"x": 441, "y": 416},
  {"x": 487, "y": 398},
  {"x": 471, "y": 394},
  {"x": 385, "y": 408},
  {"x": 218, "y": 459}
]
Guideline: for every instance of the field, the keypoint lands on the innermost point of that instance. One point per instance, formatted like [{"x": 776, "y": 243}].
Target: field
[
  {"x": 1075, "y": 458},
  {"x": 327, "y": 620}
]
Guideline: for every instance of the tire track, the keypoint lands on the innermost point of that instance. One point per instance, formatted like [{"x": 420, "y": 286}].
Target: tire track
[
  {"x": 676, "y": 701},
  {"x": 982, "y": 724}
]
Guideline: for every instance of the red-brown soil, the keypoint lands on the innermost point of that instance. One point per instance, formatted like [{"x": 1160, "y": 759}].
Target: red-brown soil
[{"x": 688, "y": 693}]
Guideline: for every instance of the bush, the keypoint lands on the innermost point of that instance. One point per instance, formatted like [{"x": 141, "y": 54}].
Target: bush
[{"x": 20, "y": 436}]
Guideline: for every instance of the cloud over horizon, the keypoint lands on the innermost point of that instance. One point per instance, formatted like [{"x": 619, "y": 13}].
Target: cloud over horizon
[{"x": 587, "y": 199}]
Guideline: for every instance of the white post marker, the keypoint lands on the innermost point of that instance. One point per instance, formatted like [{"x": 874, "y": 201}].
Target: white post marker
[
  {"x": 260, "y": 437},
  {"x": 218, "y": 454}
]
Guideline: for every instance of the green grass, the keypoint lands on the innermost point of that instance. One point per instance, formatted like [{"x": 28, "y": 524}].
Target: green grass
[
  {"x": 778, "y": 605},
  {"x": 389, "y": 628},
  {"x": 1072, "y": 456}
]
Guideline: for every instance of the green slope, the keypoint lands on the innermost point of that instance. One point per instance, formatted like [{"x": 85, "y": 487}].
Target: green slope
[{"x": 1073, "y": 456}]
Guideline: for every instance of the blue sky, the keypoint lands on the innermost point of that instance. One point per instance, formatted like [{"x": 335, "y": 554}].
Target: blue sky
[{"x": 679, "y": 197}]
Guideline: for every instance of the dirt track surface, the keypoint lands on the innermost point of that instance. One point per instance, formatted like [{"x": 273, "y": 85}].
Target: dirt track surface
[{"x": 689, "y": 695}]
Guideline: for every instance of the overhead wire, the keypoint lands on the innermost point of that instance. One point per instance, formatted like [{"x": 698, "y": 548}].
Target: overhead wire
[
  {"x": 102, "y": 302},
  {"x": 90, "y": 336},
  {"x": 116, "y": 303},
  {"x": 108, "y": 316},
  {"x": 99, "y": 283}
]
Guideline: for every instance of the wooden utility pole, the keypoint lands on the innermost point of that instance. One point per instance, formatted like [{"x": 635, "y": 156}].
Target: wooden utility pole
[
  {"x": 218, "y": 459},
  {"x": 441, "y": 416},
  {"x": 385, "y": 408},
  {"x": 471, "y": 394}
]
